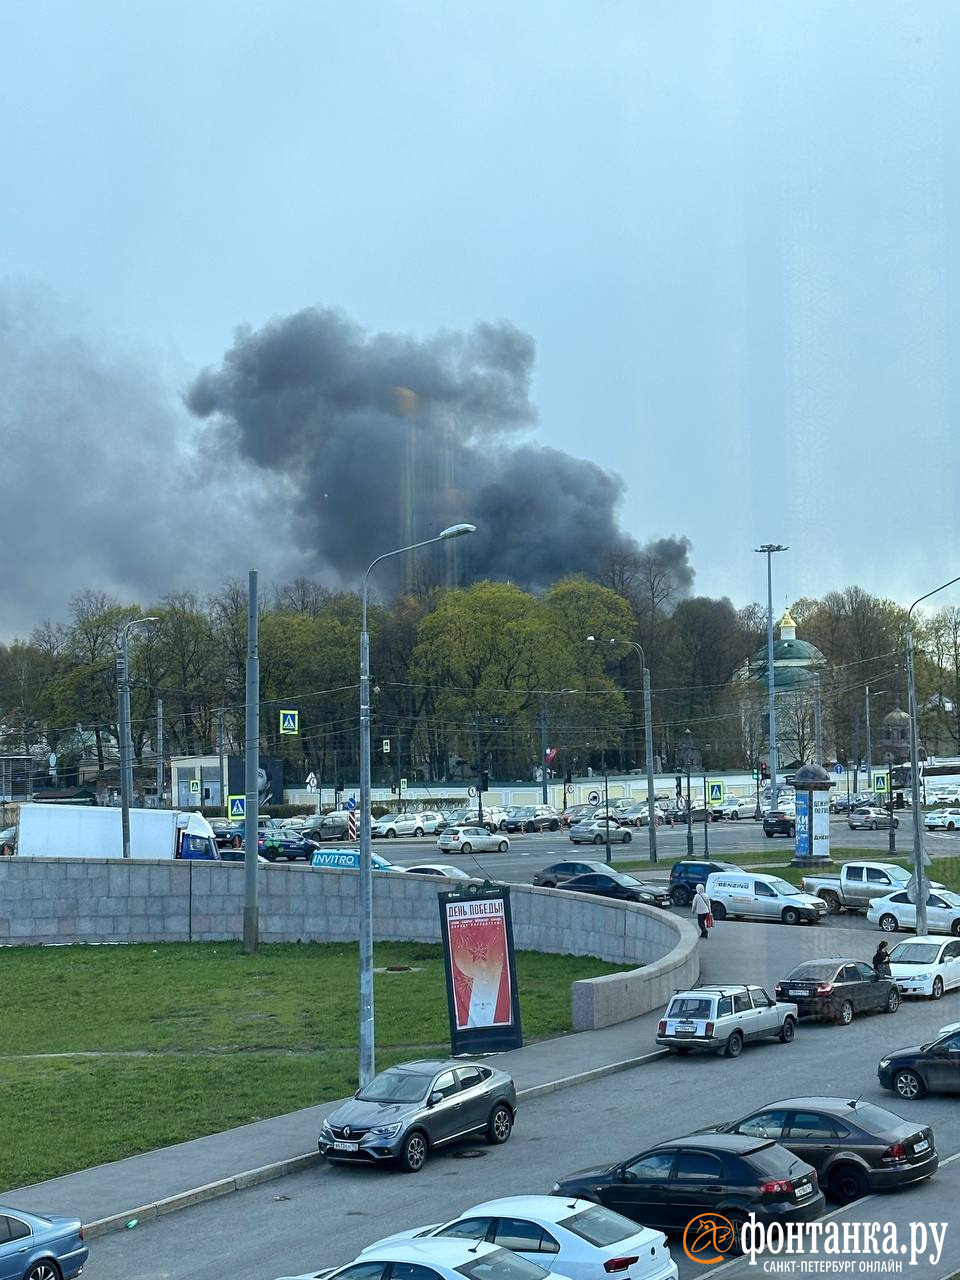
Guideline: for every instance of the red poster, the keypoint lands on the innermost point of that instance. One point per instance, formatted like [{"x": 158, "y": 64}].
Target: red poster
[{"x": 477, "y": 933}]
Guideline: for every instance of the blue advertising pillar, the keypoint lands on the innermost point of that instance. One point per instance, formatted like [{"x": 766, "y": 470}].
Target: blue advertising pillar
[{"x": 812, "y": 848}]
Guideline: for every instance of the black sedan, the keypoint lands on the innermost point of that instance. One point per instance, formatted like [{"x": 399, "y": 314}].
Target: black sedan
[
  {"x": 617, "y": 884},
  {"x": 720, "y": 1173},
  {"x": 779, "y": 822},
  {"x": 549, "y": 877},
  {"x": 924, "y": 1068},
  {"x": 855, "y": 1147},
  {"x": 837, "y": 989}
]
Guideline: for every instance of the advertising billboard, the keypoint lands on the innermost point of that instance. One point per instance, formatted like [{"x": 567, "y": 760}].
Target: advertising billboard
[
  {"x": 269, "y": 779},
  {"x": 482, "y": 996}
]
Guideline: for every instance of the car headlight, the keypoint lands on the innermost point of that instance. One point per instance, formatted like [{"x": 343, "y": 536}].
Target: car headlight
[
  {"x": 326, "y": 1130},
  {"x": 556, "y": 1186},
  {"x": 387, "y": 1130},
  {"x": 884, "y": 1062}
]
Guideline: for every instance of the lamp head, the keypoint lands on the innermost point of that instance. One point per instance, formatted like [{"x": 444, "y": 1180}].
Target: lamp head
[
  {"x": 771, "y": 546},
  {"x": 457, "y": 531}
]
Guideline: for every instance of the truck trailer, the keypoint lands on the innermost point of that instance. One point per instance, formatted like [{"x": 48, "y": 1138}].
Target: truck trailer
[{"x": 81, "y": 831}]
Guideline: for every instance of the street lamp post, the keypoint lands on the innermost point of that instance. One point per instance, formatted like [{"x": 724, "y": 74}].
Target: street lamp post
[
  {"x": 687, "y": 753},
  {"x": 647, "y": 744},
  {"x": 768, "y": 549},
  {"x": 367, "y": 1068},
  {"x": 919, "y": 870},
  {"x": 126, "y": 742}
]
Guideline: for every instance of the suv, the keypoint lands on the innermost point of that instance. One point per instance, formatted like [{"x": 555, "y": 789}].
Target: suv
[
  {"x": 532, "y": 817},
  {"x": 332, "y": 826},
  {"x": 392, "y": 825},
  {"x": 723, "y": 1018},
  {"x": 685, "y": 876}
]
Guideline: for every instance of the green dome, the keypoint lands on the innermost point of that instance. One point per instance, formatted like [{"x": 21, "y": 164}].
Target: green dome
[{"x": 789, "y": 651}]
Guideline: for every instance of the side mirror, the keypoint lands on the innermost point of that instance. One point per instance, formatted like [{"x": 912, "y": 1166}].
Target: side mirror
[
  {"x": 627, "y": 1176},
  {"x": 434, "y": 1098}
]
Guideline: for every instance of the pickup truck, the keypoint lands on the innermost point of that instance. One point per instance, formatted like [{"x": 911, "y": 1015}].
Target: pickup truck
[{"x": 858, "y": 884}]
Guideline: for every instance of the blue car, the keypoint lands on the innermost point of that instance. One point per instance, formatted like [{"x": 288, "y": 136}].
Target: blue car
[{"x": 40, "y": 1248}]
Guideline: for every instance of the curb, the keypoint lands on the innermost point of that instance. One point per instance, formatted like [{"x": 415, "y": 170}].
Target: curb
[{"x": 295, "y": 1164}]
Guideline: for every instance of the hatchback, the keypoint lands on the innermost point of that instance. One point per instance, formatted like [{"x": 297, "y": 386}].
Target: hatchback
[
  {"x": 407, "y": 1110},
  {"x": 870, "y": 818},
  {"x": 668, "y": 1185},
  {"x": 837, "y": 989},
  {"x": 578, "y": 1238},
  {"x": 855, "y": 1147},
  {"x": 926, "y": 966},
  {"x": 40, "y": 1246},
  {"x": 924, "y": 1068},
  {"x": 472, "y": 840}
]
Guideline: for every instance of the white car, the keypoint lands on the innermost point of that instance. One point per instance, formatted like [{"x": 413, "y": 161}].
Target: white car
[
  {"x": 926, "y": 966},
  {"x": 439, "y": 869},
  {"x": 576, "y": 1238},
  {"x": 392, "y": 825},
  {"x": 472, "y": 840},
  {"x": 443, "y": 1259},
  {"x": 942, "y": 820},
  {"x": 742, "y": 807},
  {"x": 947, "y": 795},
  {"x": 896, "y": 911}
]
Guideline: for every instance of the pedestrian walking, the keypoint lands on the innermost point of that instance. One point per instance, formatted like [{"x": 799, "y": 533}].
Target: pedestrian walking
[
  {"x": 701, "y": 909},
  {"x": 881, "y": 961}
]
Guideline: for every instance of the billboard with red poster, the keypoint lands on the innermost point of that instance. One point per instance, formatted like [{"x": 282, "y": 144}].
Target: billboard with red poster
[{"x": 482, "y": 995}]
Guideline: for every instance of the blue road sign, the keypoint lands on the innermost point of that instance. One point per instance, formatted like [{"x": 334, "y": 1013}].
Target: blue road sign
[
  {"x": 839, "y": 770},
  {"x": 237, "y": 806},
  {"x": 351, "y": 804}
]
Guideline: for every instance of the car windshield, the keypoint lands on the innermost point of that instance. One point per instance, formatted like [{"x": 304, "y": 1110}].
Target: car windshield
[
  {"x": 814, "y": 971},
  {"x": 600, "y": 1226},
  {"x": 396, "y": 1085},
  {"x": 951, "y": 899},
  {"x": 782, "y": 887},
  {"x": 915, "y": 953},
  {"x": 689, "y": 1007},
  {"x": 389, "y": 817},
  {"x": 875, "y": 1119},
  {"x": 501, "y": 1265}
]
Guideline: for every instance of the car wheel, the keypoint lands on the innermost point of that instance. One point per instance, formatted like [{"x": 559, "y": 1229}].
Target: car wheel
[
  {"x": 391, "y": 833},
  {"x": 549, "y": 884},
  {"x": 737, "y": 1222},
  {"x": 500, "y": 1125},
  {"x": 873, "y": 826},
  {"x": 848, "y": 1183},
  {"x": 503, "y": 846},
  {"x": 845, "y": 1016},
  {"x": 681, "y": 897},
  {"x": 896, "y": 823},
  {"x": 503, "y": 824},
  {"x": 466, "y": 847},
  {"x": 791, "y": 831},
  {"x": 790, "y": 915},
  {"x": 734, "y": 1045},
  {"x": 554, "y": 825},
  {"x": 955, "y": 928},
  {"x": 414, "y": 1154},
  {"x": 598, "y": 838},
  {"x": 627, "y": 837},
  {"x": 907, "y": 1084},
  {"x": 718, "y": 911},
  {"x": 768, "y": 834},
  {"x": 833, "y": 902},
  {"x": 787, "y": 1031},
  {"x": 46, "y": 1269},
  {"x": 418, "y": 831},
  {"x": 735, "y": 817},
  {"x": 937, "y": 990},
  {"x": 889, "y": 923},
  {"x": 893, "y": 1000}
]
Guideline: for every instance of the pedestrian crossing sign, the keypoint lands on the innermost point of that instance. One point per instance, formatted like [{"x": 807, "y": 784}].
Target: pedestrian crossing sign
[
  {"x": 289, "y": 721},
  {"x": 716, "y": 792},
  {"x": 237, "y": 806},
  {"x": 880, "y": 783}
]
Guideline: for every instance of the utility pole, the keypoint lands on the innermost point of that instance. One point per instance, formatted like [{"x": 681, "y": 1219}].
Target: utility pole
[
  {"x": 606, "y": 804},
  {"x": 817, "y": 720},
  {"x": 251, "y": 922},
  {"x": 223, "y": 785},
  {"x": 768, "y": 549},
  {"x": 544, "y": 791},
  {"x": 479, "y": 776},
  {"x": 159, "y": 746},
  {"x": 123, "y": 728},
  {"x": 869, "y": 743},
  {"x": 688, "y": 760},
  {"x": 706, "y": 820}
]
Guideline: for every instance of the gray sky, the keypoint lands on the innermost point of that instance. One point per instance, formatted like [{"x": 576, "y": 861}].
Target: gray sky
[{"x": 725, "y": 228}]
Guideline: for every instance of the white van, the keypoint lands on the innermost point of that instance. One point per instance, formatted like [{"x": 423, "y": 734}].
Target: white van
[{"x": 761, "y": 897}]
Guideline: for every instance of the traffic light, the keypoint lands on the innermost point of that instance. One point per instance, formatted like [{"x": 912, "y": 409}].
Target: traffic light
[
  {"x": 568, "y": 777},
  {"x": 679, "y": 785},
  {"x": 764, "y": 771},
  {"x": 485, "y": 781}
]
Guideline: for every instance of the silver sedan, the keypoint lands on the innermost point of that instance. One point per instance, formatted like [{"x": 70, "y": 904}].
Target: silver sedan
[
  {"x": 596, "y": 833},
  {"x": 472, "y": 840}
]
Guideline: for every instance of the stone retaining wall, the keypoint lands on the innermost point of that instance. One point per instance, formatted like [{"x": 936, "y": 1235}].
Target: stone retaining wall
[{"x": 66, "y": 900}]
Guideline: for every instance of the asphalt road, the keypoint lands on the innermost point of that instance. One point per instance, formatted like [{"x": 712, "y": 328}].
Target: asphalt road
[{"x": 325, "y": 1216}]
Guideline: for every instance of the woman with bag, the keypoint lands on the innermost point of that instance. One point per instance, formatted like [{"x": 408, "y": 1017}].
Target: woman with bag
[{"x": 700, "y": 907}]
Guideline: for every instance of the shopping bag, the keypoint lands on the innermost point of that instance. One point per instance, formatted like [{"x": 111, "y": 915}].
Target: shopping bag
[{"x": 709, "y": 921}]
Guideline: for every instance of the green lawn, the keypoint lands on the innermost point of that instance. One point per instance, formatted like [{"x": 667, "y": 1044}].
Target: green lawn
[{"x": 192, "y": 1039}]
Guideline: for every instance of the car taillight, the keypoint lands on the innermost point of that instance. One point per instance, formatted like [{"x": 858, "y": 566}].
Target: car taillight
[
  {"x": 708, "y": 1029},
  {"x": 619, "y": 1264},
  {"x": 661, "y": 1028},
  {"x": 81, "y": 1233},
  {"x": 896, "y": 1152},
  {"x": 778, "y": 989},
  {"x": 782, "y": 1186},
  {"x": 824, "y": 988}
]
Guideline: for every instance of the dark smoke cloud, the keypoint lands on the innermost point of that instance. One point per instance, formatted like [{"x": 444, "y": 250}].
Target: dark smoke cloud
[
  {"x": 390, "y": 438},
  {"x": 105, "y": 485}
]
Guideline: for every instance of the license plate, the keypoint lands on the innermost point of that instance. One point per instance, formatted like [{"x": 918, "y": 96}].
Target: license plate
[
  {"x": 346, "y": 1146},
  {"x": 804, "y": 1189},
  {"x": 923, "y": 1145},
  {"x": 792, "y": 992}
]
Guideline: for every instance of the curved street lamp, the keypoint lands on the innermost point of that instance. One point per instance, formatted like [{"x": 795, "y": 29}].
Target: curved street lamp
[{"x": 367, "y": 1046}]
